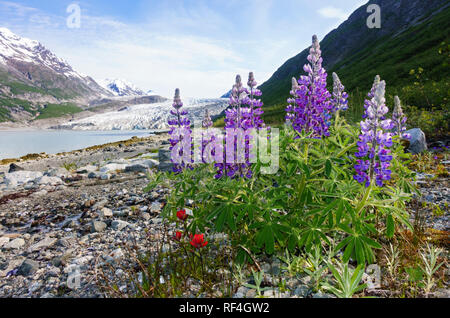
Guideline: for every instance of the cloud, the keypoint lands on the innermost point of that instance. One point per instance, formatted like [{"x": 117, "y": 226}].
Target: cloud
[
  {"x": 17, "y": 9},
  {"x": 198, "y": 46},
  {"x": 330, "y": 12}
]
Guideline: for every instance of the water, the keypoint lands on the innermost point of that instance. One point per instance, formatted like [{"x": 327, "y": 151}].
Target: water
[{"x": 14, "y": 144}]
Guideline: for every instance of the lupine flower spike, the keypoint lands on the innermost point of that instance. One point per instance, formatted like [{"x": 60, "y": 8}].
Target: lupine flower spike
[
  {"x": 207, "y": 122},
  {"x": 399, "y": 119},
  {"x": 340, "y": 97},
  {"x": 179, "y": 129},
  {"x": 373, "y": 153},
  {"x": 245, "y": 114},
  {"x": 207, "y": 138},
  {"x": 371, "y": 94},
  {"x": 309, "y": 109}
]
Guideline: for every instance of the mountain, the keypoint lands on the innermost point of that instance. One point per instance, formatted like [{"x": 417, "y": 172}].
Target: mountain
[
  {"x": 147, "y": 116},
  {"x": 31, "y": 76},
  {"x": 411, "y": 36},
  {"x": 227, "y": 95},
  {"x": 120, "y": 87}
]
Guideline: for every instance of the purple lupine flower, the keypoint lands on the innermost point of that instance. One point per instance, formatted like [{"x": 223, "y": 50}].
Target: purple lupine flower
[
  {"x": 371, "y": 94},
  {"x": 207, "y": 121},
  {"x": 255, "y": 105},
  {"x": 180, "y": 133},
  {"x": 340, "y": 97},
  {"x": 208, "y": 137},
  {"x": 244, "y": 115},
  {"x": 399, "y": 119},
  {"x": 373, "y": 154},
  {"x": 310, "y": 108}
]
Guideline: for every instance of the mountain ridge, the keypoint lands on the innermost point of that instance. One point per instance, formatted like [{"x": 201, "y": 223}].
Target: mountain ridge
[
  {"x": 32, "y": 76},
  {"x": 120, "y": 87},
  {"x": 353, "y": 50}
]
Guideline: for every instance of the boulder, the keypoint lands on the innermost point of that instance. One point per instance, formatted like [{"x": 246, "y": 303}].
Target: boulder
[
  {"x": 92, "y": 175},
  {"x": 57, "y": 172},
  {"x": 165, "y": 162},
  {"x": 45, "y": 180},
  {"x": 119, "y": 225},
  {"x": 418, "y": 141},
  {"x": 106, "y": 213},
  {"x": 43, "y": 244},
  {"x": 28, "y": 267},
  {"x": 3, "y": 241},
  {"x": 98, "y": 226},
  {"x": 141, "y": 165},
  {"x": 13, "y": 168},
  {"x": 113, "y": 167},
  {"x": 17, "y": 178},
  {"x": 87, "y": 169},
  {"x": 15, "y": 244},
  {"x": 136, "y": 168}
]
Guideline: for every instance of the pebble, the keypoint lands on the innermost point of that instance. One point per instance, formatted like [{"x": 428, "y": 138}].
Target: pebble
[
  {"x": 15, "y": 244},
  {"x": 119, "y": 225},
  {"x": 28, "y": 267},
  {"x": 98, "y": 226},
  {"x": 106, "y": 213},
  {"x": 41, "y": 245}
]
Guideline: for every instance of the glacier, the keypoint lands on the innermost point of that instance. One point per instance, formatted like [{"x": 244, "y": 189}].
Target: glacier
[{"x": 147, "y": 116}]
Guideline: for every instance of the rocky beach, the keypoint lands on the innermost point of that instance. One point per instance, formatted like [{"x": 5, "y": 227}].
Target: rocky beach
[{"x": 64, "y": 217}]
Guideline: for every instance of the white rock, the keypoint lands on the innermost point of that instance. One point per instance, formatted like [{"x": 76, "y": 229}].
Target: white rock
[
  {"x": 106, "y": 213},
  {"x": 117, "y": 254},
  {"x": 105, "y": 176},
  {"x": 15, "y": 244},
  {"x": 49, "y": 181},
  {"x": 87, "y": 169},
  {"x": 3, "y": 241},
  {"x": 47, "y": 242},
  {"x": 418, "y": 141},
  {"x": 17, "y": 178},
  {"x": 119, "y": 225},
  {"x": 112, "y": 167}
]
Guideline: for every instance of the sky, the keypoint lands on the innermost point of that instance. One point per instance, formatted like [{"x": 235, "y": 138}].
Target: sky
[{"x": 196, "y": 45}]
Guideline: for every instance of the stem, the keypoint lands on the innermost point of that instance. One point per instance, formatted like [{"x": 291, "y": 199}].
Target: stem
[
  {"x": 337, "y": 120},
  {"x": 364, "y": 199}
]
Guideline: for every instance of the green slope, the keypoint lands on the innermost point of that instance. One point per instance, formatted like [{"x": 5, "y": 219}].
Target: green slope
[{"x": 393, "y": 56}]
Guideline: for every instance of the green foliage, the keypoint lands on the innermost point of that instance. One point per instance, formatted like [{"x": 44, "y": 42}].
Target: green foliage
[
  {"x": 347, "y": 281},
  {"x": 258, "y": 277},
  {"x": 310, "y": 202},
  {"x": 7, "y": 103},
  {"x": 430, "y": 265},
  {"x": 314, "y": 267},
  {"x": 48, "y": 111},
  {"x": 170, "y": 268},
  {"x": 70, "y": 166},
  {"x": 421, "y": 47},
  {"x": 294, "y": 264},
  {"x": 18, "y": 88},
  {"x": 434, "y": 122},
  {"x": 58, "y": 110}
]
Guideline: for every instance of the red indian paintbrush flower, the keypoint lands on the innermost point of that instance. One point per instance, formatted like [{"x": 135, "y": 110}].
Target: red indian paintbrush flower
[
  {"x": 178, "y": 236},
  {"x": 198, "y": 241},
  {"x": 182, "y": 215}
]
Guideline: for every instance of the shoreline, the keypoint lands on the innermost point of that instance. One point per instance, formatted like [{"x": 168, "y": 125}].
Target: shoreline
[
  {"x": 127, "y": 148},
  {"x": 40, "y": 155}
]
